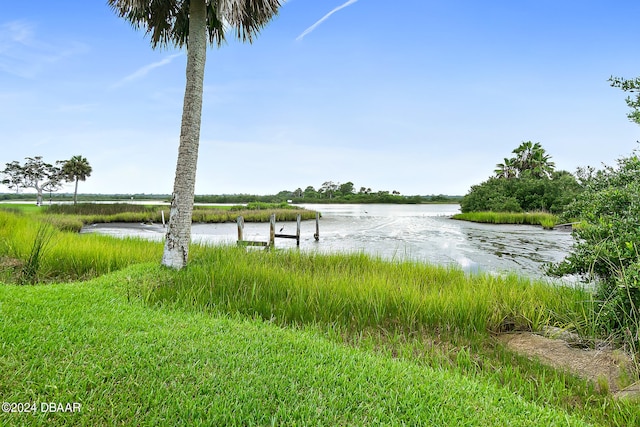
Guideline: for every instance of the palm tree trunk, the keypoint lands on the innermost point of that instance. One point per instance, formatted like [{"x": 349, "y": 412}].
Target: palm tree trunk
[
  {"x": 75, "y": 193},
  {"x": 176, "y": 247}
]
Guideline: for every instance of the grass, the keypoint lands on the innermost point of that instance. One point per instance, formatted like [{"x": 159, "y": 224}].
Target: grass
[
  {"x": 359, "y": 291},
  {"x": 281, "y": 338},
  {"x": 91, "y": 213},
  {"x": 130, "y": 364},
  {"x": 63, "y": 255},
  {"x": 545, "y": 219}
]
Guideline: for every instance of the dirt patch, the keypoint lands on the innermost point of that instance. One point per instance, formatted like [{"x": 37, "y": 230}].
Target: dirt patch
[
  {"x": 8, "y": 262},
  {"x": 597, "y": 365}
]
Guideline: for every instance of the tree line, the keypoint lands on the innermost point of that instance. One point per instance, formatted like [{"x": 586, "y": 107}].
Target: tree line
[
  {"x": 45, "y": 177},
  {"x": 330, "y": 192}
]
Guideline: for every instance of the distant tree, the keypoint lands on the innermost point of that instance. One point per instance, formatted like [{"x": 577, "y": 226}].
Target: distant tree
[
  {"x": 525, "y": 192},
  {"x": 13, "y": 176},
  {"x": 298, "y": 193},
  {"x": 329, "y": 188},
  {"x": 192, "y": 24},
  {"x": 532, "y": 158},
  {"x": 507, "y": 169},
  {"x": 529, "y": 159},
  {"x": 310, "y": 192},
  {"x": 346, "y": 188},
  {"x": 632, "y": 85},
  {"x": 76, "y": 169},
  {"x": 41, "y": 176}
]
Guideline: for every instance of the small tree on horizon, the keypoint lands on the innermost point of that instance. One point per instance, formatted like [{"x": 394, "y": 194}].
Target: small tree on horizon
[
  {"x": 37, "y": 174},
  {"x": 76, "y": 169},
  {"x": 13, "y": 176}
]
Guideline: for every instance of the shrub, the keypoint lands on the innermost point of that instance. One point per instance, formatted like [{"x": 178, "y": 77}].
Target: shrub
[
  {"x": 523, "y": 193},
  {"x": 606, "y": 245}
]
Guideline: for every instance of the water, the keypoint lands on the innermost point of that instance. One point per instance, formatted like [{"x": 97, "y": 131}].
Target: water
[{"x": 417, "y": 232}]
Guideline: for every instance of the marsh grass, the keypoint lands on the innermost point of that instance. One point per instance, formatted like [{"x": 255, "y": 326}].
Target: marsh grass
[
  {"x": 31, "y": 268},
  {"x": 68, "y": 216},
  {"x": 358, "y": 291},
  {"x": 545, "y": 219},
  {"x": 49, "y": 254}
]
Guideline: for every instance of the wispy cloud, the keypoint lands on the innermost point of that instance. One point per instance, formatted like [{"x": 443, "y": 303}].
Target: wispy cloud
[
  {"x": 324, "y": 18},
  {"x": 141, "y": 72},
  {"x": 24, "y": 54}
]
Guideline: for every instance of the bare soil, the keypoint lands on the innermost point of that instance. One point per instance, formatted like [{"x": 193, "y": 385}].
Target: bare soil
[{"x": 606, "y": 367}]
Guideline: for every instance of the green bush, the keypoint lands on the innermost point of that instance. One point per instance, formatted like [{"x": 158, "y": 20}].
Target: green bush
[
  {"x": 523, "y": 193},
  {"x": 606, "y": 245}
]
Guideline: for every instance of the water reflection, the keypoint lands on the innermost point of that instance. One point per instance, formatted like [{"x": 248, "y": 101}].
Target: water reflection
[{"x": 417, "y": 232}]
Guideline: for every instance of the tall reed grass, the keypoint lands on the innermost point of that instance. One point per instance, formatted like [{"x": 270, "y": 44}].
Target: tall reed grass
[
  {"x": 358, "y": 291},
  {"x": 90, "y": 213},
  {"x": 544, "y": 219},
  {"x": 31, "y": 242}
]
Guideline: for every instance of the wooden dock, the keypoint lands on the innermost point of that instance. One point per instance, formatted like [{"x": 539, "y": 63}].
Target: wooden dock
[{"x": 272, "y": 233}]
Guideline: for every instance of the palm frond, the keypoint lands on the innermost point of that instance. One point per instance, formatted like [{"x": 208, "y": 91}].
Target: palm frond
[{"x": 167, "y": 21}]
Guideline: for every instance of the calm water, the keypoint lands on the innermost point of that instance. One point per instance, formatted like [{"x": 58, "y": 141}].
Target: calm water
[{"x": 417, "y": 232}]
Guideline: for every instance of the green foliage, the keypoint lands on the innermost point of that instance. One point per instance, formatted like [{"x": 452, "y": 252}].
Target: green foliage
[
  {"x": 606, "y": 246},
  {"x": 629, "y": 85},
  {"x": 523, "y": 193},
  {"x": 34, "y": 173},
  {"x": 75, "y": 169},
  {"x": 529, "y": 159},
  {"x": 526, "y": 182}
]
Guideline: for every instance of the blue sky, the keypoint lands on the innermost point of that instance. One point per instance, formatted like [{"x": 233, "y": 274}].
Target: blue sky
[{"x": 418, "y": 96}]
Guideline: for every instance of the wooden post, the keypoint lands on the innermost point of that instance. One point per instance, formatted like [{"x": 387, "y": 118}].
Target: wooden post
[
  {"x": 317, "y": 235},
  {"x": 240, "y": 221},
  {"x": 298, "y": 220},
  {"x": 272, "y": 231}
]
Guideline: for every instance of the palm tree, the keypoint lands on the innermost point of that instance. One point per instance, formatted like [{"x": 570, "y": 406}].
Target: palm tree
[
  {"x": 192, "y": 23},
  {"x": 76, "y": 169},
  {"x": 532, "y": 157},
  {"x": 507, "y": 169}
]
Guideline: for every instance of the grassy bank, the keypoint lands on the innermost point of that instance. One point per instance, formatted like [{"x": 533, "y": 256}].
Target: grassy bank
[
  {"x": 126, "y": 363},
  {"x": 295, "y": 338},
  {"x": 74, "y": 217},
  {"x": 546, "y": 220}
]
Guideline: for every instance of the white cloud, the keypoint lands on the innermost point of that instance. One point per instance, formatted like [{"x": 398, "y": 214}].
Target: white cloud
[
  {"x": 23, "y": 54},
  {"x": 324, "y": 18},
  {"x": 141, "y": 72}
]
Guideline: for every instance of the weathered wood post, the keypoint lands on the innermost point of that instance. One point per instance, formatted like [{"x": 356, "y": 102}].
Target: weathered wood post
[
  {"x": 298, "y": 220},
  {"x": 272, "y": 231},
  {"x": 317, "y": 235},
  {"x": 240, "y": 221}
]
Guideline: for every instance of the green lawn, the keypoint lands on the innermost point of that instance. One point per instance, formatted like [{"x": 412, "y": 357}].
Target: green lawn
[{"x": 128, "y": 363}]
